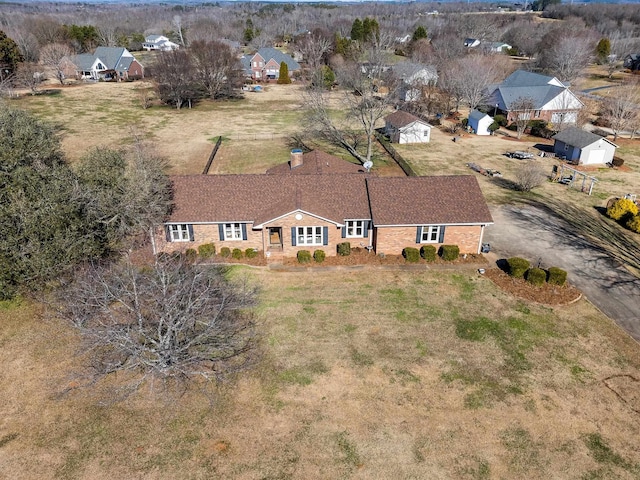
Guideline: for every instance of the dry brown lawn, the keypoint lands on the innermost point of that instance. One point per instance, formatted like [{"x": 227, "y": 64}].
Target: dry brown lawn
[{"x": 365, "y": 374}]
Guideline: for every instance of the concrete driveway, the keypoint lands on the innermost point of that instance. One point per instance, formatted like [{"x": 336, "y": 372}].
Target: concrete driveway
[{"x": 532, "y": 233}]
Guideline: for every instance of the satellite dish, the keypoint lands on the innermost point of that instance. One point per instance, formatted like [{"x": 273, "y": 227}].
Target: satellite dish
[{"x": 367, "y": 165}]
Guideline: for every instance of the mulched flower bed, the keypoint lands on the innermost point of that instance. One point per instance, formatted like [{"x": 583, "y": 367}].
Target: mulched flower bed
[{"x": 545, "y": 294}]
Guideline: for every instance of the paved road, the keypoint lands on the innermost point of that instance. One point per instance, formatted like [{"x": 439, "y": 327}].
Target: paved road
[{"x": 532, "y": 233}]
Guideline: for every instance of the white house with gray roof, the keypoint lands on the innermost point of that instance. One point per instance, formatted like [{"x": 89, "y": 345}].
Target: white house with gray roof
[
  {"x": 106, "y": 63},
  {"x": 413, "y": 78},
  {"x": 159, "y": 43},
  {"x": 583, "y": 148},
  {"x": 551, "y": 100}
]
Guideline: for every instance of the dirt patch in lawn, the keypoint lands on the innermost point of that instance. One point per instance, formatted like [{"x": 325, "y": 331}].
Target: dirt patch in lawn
[{"x": 545, "y": 294}]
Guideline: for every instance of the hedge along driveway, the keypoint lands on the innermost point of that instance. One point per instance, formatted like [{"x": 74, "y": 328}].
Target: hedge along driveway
[{"x": 534, "y": 233}]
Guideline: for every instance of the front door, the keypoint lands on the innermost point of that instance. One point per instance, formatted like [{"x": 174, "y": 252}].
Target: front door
[{"x": 275, "y": 236}]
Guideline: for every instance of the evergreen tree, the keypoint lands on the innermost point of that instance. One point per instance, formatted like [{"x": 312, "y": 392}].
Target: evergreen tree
[
  {"x": 283, "y": 76},
  {"x": 370, "y": 30},
  {"x": 10, "y": 55},
  {"x": 357, "y": 31},
  {"x": 419, "y": 33},
  {"x": 603, "y": 50}
]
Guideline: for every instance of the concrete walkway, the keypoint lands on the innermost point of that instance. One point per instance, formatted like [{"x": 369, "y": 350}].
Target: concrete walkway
[{"x": 533, "y": 234}]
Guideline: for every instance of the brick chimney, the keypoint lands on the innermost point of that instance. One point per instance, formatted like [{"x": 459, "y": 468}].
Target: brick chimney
[{"x": 296, "y": 158}]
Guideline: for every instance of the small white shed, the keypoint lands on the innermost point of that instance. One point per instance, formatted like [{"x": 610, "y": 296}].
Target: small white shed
[
  {"x": 403, "y": 127},
  {"x": 480, "y": 122}
]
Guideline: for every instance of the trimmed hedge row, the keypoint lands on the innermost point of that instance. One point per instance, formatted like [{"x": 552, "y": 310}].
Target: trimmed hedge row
[
  {"x": 429, "y": 253},
  {"x": 521, "y": 268}
]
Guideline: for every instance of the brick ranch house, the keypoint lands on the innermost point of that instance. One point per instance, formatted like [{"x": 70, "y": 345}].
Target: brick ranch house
[{"x": 280, "y": 214}]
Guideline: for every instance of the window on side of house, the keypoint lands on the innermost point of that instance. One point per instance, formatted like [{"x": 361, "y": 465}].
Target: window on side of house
[
  {"x": 354, "y": 228},
  {"x": 179, "y": 233},
  {"x": 309, "y": 235},
  {"x": 430, "y": 234},
  {"x": 232, "y": 231}
]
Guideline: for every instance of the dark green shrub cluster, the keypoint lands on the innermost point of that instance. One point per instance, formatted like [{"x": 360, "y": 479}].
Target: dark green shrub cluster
[
  {"x": 517, "y": 266},
  {"x": 536, "y": 276},
  {"x": 304, "y": 256},
  {"x": 411, "y": 255},
  {"x": 344, "y": 249},
  {"x": 428, "y": 252},
  {"x": 251, "y": 253},
  {"x": 225, "y": 252},
  {"x": 236, "y": 253},
  {"x": 556, "y": 276},
  {"x": 319, "y": 256},
  {"x": 617, "y": 162},
  {"x": 449, "y": 252},
  {"x": 500, "y": 119},
  {"x": 207, "y": 250},
  {"x": 190, "y": 254}
]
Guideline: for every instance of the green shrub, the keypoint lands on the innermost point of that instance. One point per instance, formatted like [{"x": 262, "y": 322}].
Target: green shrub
[
  {"x": 617, "y": 162},
  {"x": 622, "y": 209},
  {"x": 304, "y": 256},
  {"x": 556, "y": 276},
  {"x": 344, "y": 249},
  {"x": 428, "y": 252},
  {"x": 449, "y": 252},
  {"x": 236, "y": 253},
  {"x": 517, "y": 266},
  {"x": 207, "y": 250},
  {"x": 190, "y": 254},
  {"x": 500, "y": 119},
  {"x": 536, "y": 276},
  {"x": 411, "y": 255},
  {"x": 225, "y": 252},
  {"x": 634, "y": 224},
  {"x": 251, "y": 253},
  {"x": 319, "y": 256}
]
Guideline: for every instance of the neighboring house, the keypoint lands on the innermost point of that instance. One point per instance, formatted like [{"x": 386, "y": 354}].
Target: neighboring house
[
  {"x": 414, "y": 78},
  {"x": 315, "y": 162},
  {"x": 403, "y": 127},
  {"x": 160, "y": 43},
  {"x": 583, "y": 148},
  {"x": 480, "y": 122},
  {"x": 106, "y": 63},
  {"x": 265, "y": 64},
  {"x": 406, "y": 39},
  {"x": 632, "y": 61},
  {"x": 552, "y": 101},
  {"x": 496, "y": 47},
  {"x": 471, "y": 42},
  {"x": 283, "y": 214}
]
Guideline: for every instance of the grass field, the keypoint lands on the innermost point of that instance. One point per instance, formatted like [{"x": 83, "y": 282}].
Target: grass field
[
  {"x": 391, "y": 374},
  {"x": 364, "y": 373}
]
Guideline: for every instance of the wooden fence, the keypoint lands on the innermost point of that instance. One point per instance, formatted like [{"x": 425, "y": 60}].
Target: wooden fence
[
  {"x": 399, "y": 159},
  {"x": 212, "y": 156}
]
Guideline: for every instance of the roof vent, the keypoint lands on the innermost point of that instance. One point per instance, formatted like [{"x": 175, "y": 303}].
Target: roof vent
[{"x": 296, "y": 158}]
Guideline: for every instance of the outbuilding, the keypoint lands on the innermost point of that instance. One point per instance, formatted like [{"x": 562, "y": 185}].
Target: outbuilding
[
  {"x": 403, "y": 127},
  {"x": 583, "y": 148},
  {"x": 480, "y": 122}
]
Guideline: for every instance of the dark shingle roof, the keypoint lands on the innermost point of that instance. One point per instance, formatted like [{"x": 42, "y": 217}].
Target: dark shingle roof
[
  {"x": 576, "y": 137},
  {"x": 401, "y": 119},
  {"x": 109, "y": 55},
  {"x": 317, "y": 162},
  {"x": 268, "y": 53},
  {"x": 84, "y": 61},
  {"x": 434, "y": 200},
  {"x": 522, "y": 84}
]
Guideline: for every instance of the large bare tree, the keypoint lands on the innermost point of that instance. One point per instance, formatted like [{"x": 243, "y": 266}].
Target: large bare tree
[
  {"x": 54, "y": 56},
  {"x": 475, "y": 73},
  {"x": 621, "y": 108},
  {"x": 173, "y": 322},
  {"x": 566, "y": 57},
  {"x": 522, "y": 110},
  {"x": 217, "y": 68},
  {"x": 367, "y": 94}
]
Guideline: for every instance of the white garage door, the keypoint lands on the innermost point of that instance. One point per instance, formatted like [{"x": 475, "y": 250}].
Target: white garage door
[{"x": 594, "y": 156}]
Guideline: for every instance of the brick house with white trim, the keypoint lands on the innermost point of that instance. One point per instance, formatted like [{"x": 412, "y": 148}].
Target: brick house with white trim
[{"x": 280, "y": 214}]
